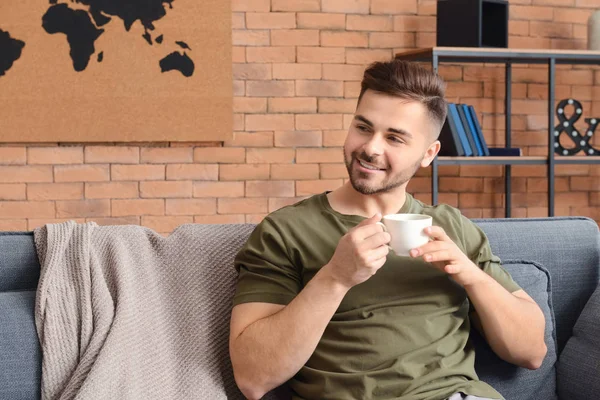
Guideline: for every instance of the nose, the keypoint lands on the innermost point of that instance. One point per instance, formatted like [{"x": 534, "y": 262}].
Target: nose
[{"x": 374, "y": 146}]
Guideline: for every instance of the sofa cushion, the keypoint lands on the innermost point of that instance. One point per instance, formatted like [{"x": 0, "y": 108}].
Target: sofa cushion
[
  {"x": 579, "y": 364},
  {"x": 511, "y": 381},
  {"x": 21, "y": 361},
  {"x": 19, "y": 265}
]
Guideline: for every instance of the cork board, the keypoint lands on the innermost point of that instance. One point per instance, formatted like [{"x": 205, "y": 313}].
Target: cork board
[{"x": 115, "y": 70}]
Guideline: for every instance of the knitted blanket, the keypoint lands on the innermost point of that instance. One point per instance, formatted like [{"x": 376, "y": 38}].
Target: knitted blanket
[{"x": 124, "y": 313}]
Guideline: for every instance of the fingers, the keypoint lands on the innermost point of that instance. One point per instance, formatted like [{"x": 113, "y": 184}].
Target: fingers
[
  {"x": 376, "y": 240},
  {"x": 370, "y": 221},
  {"x": 436, "y": 233}
]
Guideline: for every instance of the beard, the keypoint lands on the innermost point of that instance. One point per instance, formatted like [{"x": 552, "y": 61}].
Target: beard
[{"x": 360, "y": 180}]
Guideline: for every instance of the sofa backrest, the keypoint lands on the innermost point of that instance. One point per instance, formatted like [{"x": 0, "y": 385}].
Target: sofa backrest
[{"x": 568, "y": 247}]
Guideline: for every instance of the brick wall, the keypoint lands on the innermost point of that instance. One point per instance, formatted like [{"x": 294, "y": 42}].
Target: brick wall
[{"x": 297, "y": 66}]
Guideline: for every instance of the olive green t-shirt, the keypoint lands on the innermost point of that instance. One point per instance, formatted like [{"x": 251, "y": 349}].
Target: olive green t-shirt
[{"x": 402, "y": 334}]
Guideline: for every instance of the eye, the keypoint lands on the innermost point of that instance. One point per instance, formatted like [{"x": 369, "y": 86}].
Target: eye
[
  {"x": 395, "y": 139},
  {"x": 362, "y": 128}
]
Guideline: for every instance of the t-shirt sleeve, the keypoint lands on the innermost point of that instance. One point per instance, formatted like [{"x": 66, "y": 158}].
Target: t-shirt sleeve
[
  {"x": 478, "y": 249},
  {"x": 266, "y": 273}
]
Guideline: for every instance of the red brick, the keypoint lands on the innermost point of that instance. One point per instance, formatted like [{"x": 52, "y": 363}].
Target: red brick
[
  {"x": 13, "y": 191},
  {"x": 292, "y": 105},
  {"x": 393, "y": 7},
  {"x": 256, "y": 71},
  {"x": 328, "y": 105},
  {"x": 82, "y": 208},
  {"x": 271, "y": 54},
  {"x": 295, "y": 5},
  {"x": 298, "y": 139},
  {"x": 585, "y": 183},
  {"x": 551, "y": 29},
  {"x": 414, "y": 23},
  {"x": 481, "y": 170},
  {"x": 572, "y": 170},
  {"x": 325, "y": 55},
  {"x": 364, "y": 56},
  {"x": 344, "y": 39},
  {"x": 160, "y": 155},
  {"x": 270, "y": 20},
  {"x": 319, "y": 155},
  {"x": 369, "y": 23},
  {"x": 79, "y": 173},
  {"x": 270, "y": 188},
  {"x": 464, "y": 89},
  {"x": 242, "y": 172},
  {"x": 574, "y": 77},
  {"x": 524, "y": 42},
  {"x": 425, "y": 39},
  {"x": 199, "y": 172},
  {"x": 540, "y": 185},
  {"x": 122, "y": 208},
  {"x": 391, "y": 39},
  {"x": 25, "y": 174},
  {"x": 334, "y": 138},
  {"x": 560, "y": 3},
  {"x": 11, "y": 155},
  {"x": 250, "y": 139},
  {"x": 295, "y": 37},
  {"x": 238, "y": 20},
  {"x": 321, "y": 20},
  {"x": 304, "y": 188},
  {"x": 345, "y": 6},
  {"x": 333, "y": 171},
  {"x": 246, "y": 37},
  {"x": 165, "y": 225},
  {"x": 343, "y": 72},
  {"x": 571, "y": 199},
  {"x": 480, "y": 200},
  {"x": 319, "y": 88},
  {"x": 268, "y": 122},
  {"x": 165, "y": 189},
  {"x": 250, "y": 105},
  {"x": 296, "y": 71},
  {"x": 529, "y": 13},
  {"x": 595, "y": 199},
  {"x": 223, "y": 155},
  {"x": 352, "y": 89},
  {"x": 238, "y": 54},
  {"x": 242, "y": 206},
  {"x": 191, "y": 206},
  {"x": 269, "y": 88},
  {"x": 111, "y": 190},
  {"x": 278, "y": 203},
  {"x": 239, "y": 88},
  {"x": 294, "y": 171},
  {"x": 218, "y": 189},
  {"x": 461, "y": 185},
  {"x": 250, "y": 5},
  {"x": 255, "y": 218},
  {"x": 112, "y": 154},
  {"x": 220, "y": 219},
  {"x": 54, "y": 191},
  {"x": 137, "y": 172},
  {"x": 451, "y": 72},
  {"x": 308, "y": 122},
  {"x": 492, "y": 89},
  {"x": 577, "y": 16},
  {"x": 27, "y": 209},
  {"x": 55, "y": 155},
  {"x": 274, "y": 156}
]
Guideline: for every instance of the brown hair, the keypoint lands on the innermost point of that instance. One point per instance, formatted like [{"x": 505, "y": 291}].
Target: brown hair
[{"x": 410, "y": 81}]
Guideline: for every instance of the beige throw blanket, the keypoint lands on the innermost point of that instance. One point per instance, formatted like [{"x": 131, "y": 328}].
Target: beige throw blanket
[{"x": 124, "y": 313}]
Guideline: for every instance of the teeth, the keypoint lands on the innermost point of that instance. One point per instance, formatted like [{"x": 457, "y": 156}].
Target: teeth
[{"x": 367, "y": 166}]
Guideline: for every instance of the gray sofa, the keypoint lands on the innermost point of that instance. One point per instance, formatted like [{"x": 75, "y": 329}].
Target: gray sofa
[{"x": 556, "y": 260}]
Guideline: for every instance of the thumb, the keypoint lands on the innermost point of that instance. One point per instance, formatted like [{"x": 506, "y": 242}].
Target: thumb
[{"x": 371, "y": 220}]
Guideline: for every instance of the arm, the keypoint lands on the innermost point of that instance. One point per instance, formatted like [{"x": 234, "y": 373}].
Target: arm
[
  {"x": 512, "y": 323},
  {"x": 270, "y": 343}
]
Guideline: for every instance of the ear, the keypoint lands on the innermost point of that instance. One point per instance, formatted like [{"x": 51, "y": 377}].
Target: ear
[{"x": 431, "y": 153}]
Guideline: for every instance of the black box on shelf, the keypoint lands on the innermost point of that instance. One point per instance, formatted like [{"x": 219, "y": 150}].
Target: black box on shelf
[{"x": 472, "y": 23}]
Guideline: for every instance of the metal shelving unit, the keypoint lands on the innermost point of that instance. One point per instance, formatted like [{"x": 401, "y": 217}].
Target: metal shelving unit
[{"x": 508, "y": 57}]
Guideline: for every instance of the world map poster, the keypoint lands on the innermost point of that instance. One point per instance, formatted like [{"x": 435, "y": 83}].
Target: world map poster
[{"x": 115, "y": 70}]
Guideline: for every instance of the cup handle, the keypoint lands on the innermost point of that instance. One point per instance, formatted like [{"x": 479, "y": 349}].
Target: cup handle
[{"x": 385, "y": 230}]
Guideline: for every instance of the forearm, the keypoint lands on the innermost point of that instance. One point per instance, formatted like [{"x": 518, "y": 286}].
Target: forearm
[
  {"x": 514, "y": 327},
  {"x": 271, "y": 350}
]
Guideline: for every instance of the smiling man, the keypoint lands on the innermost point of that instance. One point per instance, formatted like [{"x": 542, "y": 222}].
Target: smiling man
[{"x": 323, "y": 304}]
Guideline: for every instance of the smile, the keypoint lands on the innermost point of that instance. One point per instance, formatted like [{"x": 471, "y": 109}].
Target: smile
[{"x": 368, "y": 166}]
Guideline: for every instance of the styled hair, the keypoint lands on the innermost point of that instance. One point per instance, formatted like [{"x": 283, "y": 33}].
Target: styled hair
[{"x": 409, "y": 81}]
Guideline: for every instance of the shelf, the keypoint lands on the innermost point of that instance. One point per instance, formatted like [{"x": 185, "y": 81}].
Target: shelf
[
  {"x": 516, "y": 160},
  {"x": 494, "y": 55}
]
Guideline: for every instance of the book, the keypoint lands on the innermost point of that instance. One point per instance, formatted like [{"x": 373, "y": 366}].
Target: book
[
  {"x": 467, "y": 128},
  {"x": 461, "y": 132},
  {"x": 505, "y": 151},
  {"x": 478, "y": 131},
  {"x": 449, "y": 138},
  {"x": 472, "y": 130}
]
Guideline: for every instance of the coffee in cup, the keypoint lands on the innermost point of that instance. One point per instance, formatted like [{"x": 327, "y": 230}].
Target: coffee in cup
[{"x": 406, "y": 230}]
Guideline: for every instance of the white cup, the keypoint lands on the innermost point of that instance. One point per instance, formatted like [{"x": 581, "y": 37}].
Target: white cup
[{"x": 406, "y": 231}]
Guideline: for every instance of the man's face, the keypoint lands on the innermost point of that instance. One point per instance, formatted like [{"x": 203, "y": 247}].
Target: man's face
[{"x": 388, "y": 141}]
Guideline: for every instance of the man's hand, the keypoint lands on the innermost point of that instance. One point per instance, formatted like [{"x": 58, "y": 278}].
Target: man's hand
[
  {"x": 445, "y": 255},
  {"x": 359, "y": 253}
]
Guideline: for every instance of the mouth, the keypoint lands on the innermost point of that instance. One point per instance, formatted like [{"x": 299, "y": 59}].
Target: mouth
[{"x": 369, "y": 167}]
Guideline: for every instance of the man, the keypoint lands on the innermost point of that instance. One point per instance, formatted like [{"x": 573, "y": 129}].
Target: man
[{"x": 323, "y": 304}]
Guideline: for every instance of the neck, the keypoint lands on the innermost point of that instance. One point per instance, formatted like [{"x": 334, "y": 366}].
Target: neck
[{"x": 346, "y": 200}]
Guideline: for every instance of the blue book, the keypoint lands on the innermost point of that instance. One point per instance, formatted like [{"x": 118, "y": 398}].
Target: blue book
[
  {"x": 505, "y": 151},
  {"x": 467, "y": 128},
  {"x": 472, "y": 129},
  {"x": 461, "y": 132},
  {"x": 478, "y": 131}
]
